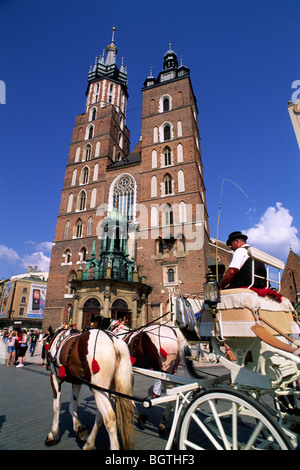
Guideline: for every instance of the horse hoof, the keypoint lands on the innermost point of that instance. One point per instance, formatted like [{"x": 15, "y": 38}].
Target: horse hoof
[
  {"x": 163, "y": 429},
  {"x": 51, "y": 442},
  {"x": 82, "y": 433},
  {"x": 141, "y": 419}
]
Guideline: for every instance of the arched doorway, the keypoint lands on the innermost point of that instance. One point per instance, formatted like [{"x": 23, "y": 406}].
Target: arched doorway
[
  {"x": 91, "y": 307},
  {"x": 119, "y": 311}
]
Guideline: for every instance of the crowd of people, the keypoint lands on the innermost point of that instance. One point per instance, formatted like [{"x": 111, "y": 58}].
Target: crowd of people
[{"x": 18, "y": 342}]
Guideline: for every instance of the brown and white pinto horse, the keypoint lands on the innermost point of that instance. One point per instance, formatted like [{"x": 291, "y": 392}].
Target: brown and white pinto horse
[
  {"x": 157, "y": 347},
  {"x": 99, "y": 359}
]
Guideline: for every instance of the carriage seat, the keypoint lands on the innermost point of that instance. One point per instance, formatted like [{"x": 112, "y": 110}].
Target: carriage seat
[{"x": 237, "y": 314}]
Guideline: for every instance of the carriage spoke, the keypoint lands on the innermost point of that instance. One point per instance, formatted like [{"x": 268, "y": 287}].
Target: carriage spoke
[
  {"x": 206, "y": 432},
  {"x": 254, "y": 436},
  {"x": 219, "y": 425},
  {"x": 234, "y": 427}
]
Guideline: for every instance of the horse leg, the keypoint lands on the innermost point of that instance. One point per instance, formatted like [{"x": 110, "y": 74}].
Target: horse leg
[
  {"x": 90, "y": 443},
  {"x": 80, "y": 429},
  {"x": 106, "y": 415},
  {"x": 163, "y": 427},
  {"x": 53, "y": 436}
]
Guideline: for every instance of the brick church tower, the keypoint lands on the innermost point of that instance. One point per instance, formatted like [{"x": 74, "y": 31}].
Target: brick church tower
[{"x": 158, "y": 189}]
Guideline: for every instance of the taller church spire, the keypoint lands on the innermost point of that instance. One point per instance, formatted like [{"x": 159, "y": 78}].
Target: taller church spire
[
  {"x": 111, "y": 50},
  {"x": 107, "y": 66}
]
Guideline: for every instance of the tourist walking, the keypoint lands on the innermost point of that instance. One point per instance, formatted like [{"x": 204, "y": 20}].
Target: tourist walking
[{"x": 33, "y": 340}]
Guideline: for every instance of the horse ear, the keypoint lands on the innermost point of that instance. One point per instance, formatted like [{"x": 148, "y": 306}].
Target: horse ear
[{"x": 92, "y": 318}]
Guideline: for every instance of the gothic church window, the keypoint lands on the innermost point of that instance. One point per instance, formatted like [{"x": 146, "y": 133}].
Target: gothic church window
[
  {"x": 181, "y": 183},
  {"x": 93, "y": 114},
  {"x": 169, "y": 215},
  {"x": 82, "y": 255},
  {"x": 85, "y": 175},
  {"x": 77, "y": 155},
  {"x": 154, "y": 159},
  {"x": 87, "y": 153},
  {"x": 179, "y": 153},
  {"x": 74, "y": 176},
  {"x": 179, "y": 129},
  {"x": 93, "y": 198},
  {"x": 96, "y": 170},
  {"x": 89, "y": 226},
  {"x": 124, "y": 196},
  {"x": 70, "y": 203},
  {"x": 67, "y": 229},
  {"x": 97, "y": 151},
  {"x": 167, "y": 156},
  {"x": 81, "y": 202},
  {"x": 182, "y": 212},
  {"x": 154, "y": 216},
  {"x": 167, "y": 132},
  {"x": 152, "y": 106},
  {"x": 166, "y": 104},
  {"x": 78, "y": 228},
  {"x": 67, "y": 257},
  {"x": 168, "y": 184},
  {"x": 89, "y": 132},
  {"x": 153, "y": 186},
  {"x": 180, "y": 98}
]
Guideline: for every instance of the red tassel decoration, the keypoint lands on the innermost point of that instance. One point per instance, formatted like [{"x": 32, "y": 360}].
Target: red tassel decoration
[
  {"x": 46, "y": 347},
  {"x": 61, "y": 372},
  {"x": 95, "y": 366},
  {"x": 163, "y": 353},
  {"x": 132, "y": 360}
]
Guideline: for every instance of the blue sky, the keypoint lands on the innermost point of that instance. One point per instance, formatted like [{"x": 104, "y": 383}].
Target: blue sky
[{"x": 243, "y": 56}]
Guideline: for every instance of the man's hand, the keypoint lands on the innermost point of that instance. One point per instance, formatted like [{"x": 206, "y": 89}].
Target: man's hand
[{"x": 228, "y": 277}]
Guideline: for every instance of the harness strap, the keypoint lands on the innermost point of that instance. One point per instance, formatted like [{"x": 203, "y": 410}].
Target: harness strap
[{"x": 111, "y": 392}]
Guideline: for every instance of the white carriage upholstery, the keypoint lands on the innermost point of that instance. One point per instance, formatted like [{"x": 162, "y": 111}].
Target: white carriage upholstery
[{"x": 237, "y": 314}]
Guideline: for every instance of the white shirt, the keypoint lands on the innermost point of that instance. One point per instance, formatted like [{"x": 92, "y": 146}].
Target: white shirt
[{"x": 239, "y": 257}]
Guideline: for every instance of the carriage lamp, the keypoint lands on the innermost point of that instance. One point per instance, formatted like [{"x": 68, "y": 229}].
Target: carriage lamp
[
  {"x": 212, "y": 298},
  {"x": 211, "y": 290}
]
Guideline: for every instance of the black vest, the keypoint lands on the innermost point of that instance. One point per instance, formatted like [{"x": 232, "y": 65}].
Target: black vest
[{"x": 243, "y": 278}]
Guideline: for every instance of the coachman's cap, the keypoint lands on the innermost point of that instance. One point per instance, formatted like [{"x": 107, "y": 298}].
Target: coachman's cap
[{"x": 234, "y": 236}]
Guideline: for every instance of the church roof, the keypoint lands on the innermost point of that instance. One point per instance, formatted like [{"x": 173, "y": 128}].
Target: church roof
[{"x": 132, "y": 159}]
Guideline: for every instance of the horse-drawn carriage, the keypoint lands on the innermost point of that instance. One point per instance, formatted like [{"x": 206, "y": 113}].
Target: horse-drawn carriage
[{"x": 253, "y": 334}]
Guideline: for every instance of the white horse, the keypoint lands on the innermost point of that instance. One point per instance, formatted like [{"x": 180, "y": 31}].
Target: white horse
[
  {"x": 157, "y": 347},
  {"x": 101, "y": 360}
]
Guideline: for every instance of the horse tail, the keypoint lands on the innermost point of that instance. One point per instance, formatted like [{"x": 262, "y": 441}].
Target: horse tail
[{"x": 124, "y": 383}]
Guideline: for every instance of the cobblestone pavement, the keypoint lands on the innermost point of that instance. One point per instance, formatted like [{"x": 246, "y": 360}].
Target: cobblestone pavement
[{"x": 26, "y": 410}]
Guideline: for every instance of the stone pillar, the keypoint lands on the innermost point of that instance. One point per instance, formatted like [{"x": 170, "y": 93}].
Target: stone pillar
[{"x": 106, "y": 301}]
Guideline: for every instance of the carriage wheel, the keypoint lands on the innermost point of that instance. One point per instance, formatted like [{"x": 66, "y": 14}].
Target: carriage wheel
[{"x": 229, "y": 420}]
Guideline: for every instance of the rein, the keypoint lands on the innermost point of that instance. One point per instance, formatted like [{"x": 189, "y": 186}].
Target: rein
[
  {"x": 118, "y": 394},
  {"x": 145, "y": 326}
]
